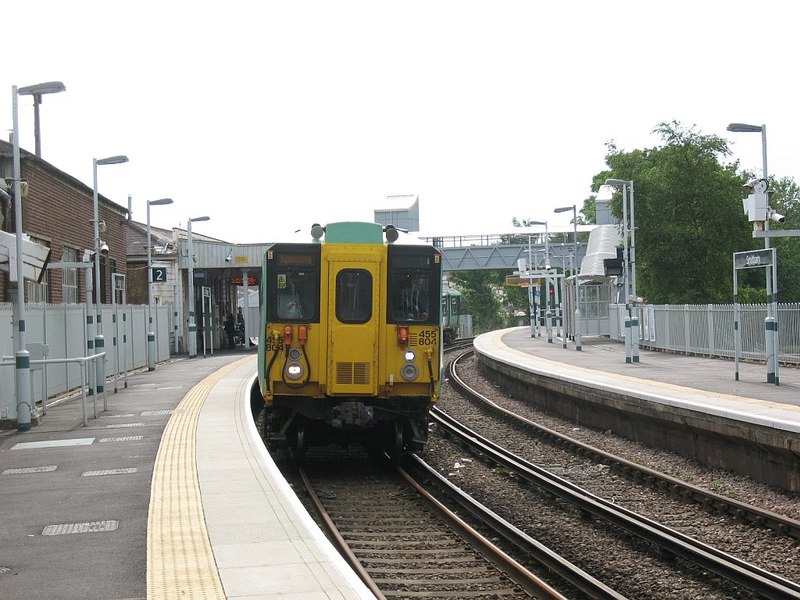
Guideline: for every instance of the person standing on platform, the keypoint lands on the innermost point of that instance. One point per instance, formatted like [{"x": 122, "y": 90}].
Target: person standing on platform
[{"x": 230, "y": 327}]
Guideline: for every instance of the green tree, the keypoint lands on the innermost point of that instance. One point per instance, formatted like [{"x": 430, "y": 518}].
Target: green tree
[
  {"x": 478, "y": 298},
  {"x": 688, "y": 215},
  {"x": 785, "y": 199}
]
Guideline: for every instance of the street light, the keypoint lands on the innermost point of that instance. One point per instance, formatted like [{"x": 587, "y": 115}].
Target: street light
[
  {"x": 192, "y": 341},
  {"x": 574, "y": 209},
  {"x": 548, "y": 318},
  {"x": 99, "y": 342},
  {"x": 37, "y": 91},
  {"x": 151, "y": 336},
  {"x": 22, "y": 357},
  {"x": 772, "y": 311},
  {"x": 632, "y": 321}
]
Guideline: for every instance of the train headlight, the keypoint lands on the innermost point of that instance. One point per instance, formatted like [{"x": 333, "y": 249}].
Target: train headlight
[
  {"x": 409, "y": 356},
  {"x": 294, "y": 371},
  {"x": 409, "y": 372}
]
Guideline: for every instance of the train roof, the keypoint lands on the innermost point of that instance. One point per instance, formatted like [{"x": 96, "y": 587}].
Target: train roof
[{"x": 356, "y": 232}]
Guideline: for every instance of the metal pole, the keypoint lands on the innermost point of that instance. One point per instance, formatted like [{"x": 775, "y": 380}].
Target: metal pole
[
  {"x": 771, "y": 322},
  {"x": 151, "y": 336},
  {"x": 531, "y": 303},
  {"x": 575, "y": 271},
  {"x": 245, "y": 306},
  {"x": 99, "y": 342},
  {"x": 37, "y": 100},
  {"x": 192, "y": 341},
  {"x": 22, "y": 356}
]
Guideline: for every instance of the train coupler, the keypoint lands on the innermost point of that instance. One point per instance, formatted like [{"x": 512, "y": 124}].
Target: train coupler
[{"x": 352, "y": 415}]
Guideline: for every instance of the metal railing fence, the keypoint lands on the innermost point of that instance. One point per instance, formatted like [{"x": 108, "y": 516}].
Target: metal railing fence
[{"x": 707, "y": 329}]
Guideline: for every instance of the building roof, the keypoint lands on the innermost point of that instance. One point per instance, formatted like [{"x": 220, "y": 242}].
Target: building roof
[{"x": 7, "y": 151}]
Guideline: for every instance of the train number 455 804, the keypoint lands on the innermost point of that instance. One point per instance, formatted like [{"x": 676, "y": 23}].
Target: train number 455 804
[{"x": 427, "y": 338}]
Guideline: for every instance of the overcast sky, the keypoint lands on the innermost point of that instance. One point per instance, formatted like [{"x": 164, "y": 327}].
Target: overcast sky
[{"x": 270, "y": 116}]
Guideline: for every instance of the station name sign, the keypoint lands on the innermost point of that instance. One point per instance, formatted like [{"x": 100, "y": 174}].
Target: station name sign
[{"x": 754, "y": 259}]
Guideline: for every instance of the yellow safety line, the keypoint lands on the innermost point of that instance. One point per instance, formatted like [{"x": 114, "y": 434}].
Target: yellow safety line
[{"x": 180, "y": 561}]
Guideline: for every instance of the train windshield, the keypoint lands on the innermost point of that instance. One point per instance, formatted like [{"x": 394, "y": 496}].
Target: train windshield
[
  {"x": 413, "y": 285},
  {"x": 294, "y": 285}
]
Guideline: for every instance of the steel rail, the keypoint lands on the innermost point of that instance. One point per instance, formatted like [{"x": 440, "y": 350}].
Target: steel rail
[
  {"x": 515, "y": 571},
  {"x": 337, "y": 539}
]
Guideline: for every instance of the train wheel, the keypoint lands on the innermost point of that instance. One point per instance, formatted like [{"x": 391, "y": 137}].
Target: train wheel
[
  {"x": 396, "y": 451},
  {"x": 300, "y": 443}
]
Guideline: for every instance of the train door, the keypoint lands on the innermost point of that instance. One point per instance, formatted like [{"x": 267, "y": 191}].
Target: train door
[{"x": 353, "y": 317}]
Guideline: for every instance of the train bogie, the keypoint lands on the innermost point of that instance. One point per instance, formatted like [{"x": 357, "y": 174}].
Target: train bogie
[{"x": 351, "y": 347}]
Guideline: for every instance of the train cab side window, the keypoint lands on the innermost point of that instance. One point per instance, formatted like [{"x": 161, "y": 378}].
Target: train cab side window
[{"x": 354, "y": 296}]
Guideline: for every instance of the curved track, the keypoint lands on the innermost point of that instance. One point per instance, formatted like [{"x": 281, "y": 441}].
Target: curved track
[{"x": 743, "y": 574}]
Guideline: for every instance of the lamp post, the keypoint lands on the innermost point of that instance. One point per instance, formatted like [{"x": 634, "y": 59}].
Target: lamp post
[
  {"x": 574, "y": 209},
  {"x": 771, "y": 321},
  {"x": 548, "y": 321},
  {"x": 37, "y": 91},
  {"x": 632, "y": 320},
  {"x": 192, "y": 341},
  {"x": 151, "y": 336},
  {"x": 99, "y": 342},
  {"x": 22, "y": 358}
]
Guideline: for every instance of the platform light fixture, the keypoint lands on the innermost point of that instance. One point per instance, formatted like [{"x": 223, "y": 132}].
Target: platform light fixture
[
  {"x": 37, "y": 91},
  {"x": 574, "y": 209},
  {"x": 99, "y": 247},
  {"x": 629, "y": 268},
  {"x": 192, "y": 327},
  {"x": 771, "y": 321},
  {"x": 151, "y": 336},
  {"x": 22, "y": 356}
]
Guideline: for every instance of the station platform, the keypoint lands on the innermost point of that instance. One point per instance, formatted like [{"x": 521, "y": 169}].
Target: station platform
[
  {"x": 692, "y": 402},
  {"x": 168, "y": 493}
]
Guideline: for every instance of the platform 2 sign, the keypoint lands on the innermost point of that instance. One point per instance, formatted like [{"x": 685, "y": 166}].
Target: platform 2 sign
[{"x": 159, "y": 274}]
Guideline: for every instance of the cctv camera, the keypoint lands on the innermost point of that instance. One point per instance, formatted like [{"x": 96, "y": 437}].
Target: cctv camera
[
  {"x": 777, "y": 217},
  {"x": 228, "y": 258},
  {"x": 103, "y": 248}
]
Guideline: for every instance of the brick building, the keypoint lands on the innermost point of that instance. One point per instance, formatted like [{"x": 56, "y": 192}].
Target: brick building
[{"x": 58, "y": 213}]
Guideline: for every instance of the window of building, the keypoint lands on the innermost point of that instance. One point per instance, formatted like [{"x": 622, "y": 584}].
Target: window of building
[
  {"x": 37, "y": 291},
  {"x": 69, "y": 277}
]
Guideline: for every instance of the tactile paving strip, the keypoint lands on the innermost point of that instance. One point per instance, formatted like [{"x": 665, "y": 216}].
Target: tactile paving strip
[{"x": 180, "y": 561}]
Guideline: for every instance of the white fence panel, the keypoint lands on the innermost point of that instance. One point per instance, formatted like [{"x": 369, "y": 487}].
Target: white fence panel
[{"x": 62, "y": 329}]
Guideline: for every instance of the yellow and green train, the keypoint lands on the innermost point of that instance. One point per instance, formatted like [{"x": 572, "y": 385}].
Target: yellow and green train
[{"x": 351, "y": 348}]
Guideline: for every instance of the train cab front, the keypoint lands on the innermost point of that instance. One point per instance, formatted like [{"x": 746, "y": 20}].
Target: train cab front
[{"x": 352, "y": 346}]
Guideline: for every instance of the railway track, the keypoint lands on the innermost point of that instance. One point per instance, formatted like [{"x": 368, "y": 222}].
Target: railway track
[
  {"x": 401, "y": 541},
  {"x": 704, "y": 557}
]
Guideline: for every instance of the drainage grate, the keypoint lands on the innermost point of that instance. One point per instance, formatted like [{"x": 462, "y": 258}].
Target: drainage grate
[
  {"x": 127, "y": 438},
  {"x": 45, "y": 469},
  {"x": 124, "y": 471},
  {"x": 53, "y": 443},
  {"x": 91, "y": 527},
  {"x": 121, "y": 425},
  {"x": 156, "y": 413}
]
